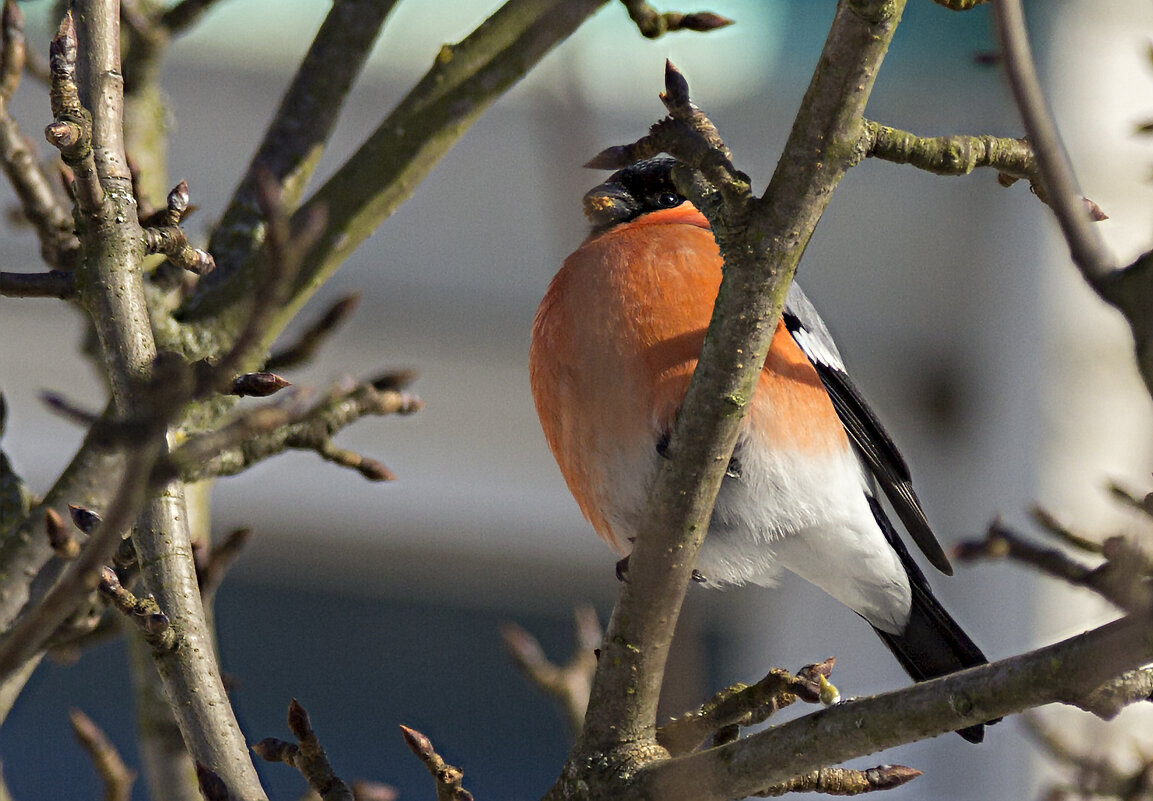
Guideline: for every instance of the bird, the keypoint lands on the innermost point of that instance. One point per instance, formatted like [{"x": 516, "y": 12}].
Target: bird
[{"x": 614, "y": 344}]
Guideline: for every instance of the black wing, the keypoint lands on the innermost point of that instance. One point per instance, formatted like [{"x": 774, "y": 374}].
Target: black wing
[{"x": 863, "y": 427}]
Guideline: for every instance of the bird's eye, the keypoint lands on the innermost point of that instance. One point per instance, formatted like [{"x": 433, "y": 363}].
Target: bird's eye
[{"x": 666, "y": 200}]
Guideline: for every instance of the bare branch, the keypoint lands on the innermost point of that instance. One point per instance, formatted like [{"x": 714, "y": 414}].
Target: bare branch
[
  {"x": 568, "y": 683},
  {"x": 13, "y": 54},
  {"x": 744, "y": 705},
  {"x": 653, "y": 24},
  {"x": 71, "y": 133},
  {"x": 448, "y": 778},
  {"x": 948, "y": 155},
  {"x": 291, "y": 150},
  {"x": 1142, "y": 504},
  {"x": 1056, "y": 173},
  {"x": 52, "y": 284},
  {"x": 264, "y": 432},
  {"x": 844, "y": 781},
  {"x": 1131, "y": 687},
  {"x": 1064, "y": 672},
  {"x": 184, "y": 14},
  {"x": 116, "y": 777},
  {"x": 306, "y": 345},
  {"x": 1123, "y": 578},
  {"x": 38, "y": 202},
  {"x": 211, "y": 568},
  {"x": 62, "y": 542},
  {"x": 1049, "y": 522},
  {"x": 27, "y": 635},
  {"x": 1129, "y": 289},
  {"x": 169, "y": 238},
  {"x": 144, "y": 613},
  {"x": 308, "y": 757},
  {"x": 286, "y": 241},
  {"x": 466, "y": 78}
]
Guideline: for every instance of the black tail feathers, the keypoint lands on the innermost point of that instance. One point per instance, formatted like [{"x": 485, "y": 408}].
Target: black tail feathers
[{"x": 932, "y": 644}]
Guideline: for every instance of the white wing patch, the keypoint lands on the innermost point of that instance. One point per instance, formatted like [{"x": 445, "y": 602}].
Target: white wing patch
[{"x": 818, "y": 348}]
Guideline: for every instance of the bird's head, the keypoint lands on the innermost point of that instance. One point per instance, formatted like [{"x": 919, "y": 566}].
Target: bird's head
[{"x": 638, "y": 189}]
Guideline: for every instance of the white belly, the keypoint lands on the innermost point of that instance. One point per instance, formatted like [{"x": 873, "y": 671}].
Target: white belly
[{"x": 809, "y": 517}]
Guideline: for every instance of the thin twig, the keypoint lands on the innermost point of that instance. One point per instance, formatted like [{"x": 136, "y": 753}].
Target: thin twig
[
  {"x": 448, "y": 778},
  {"x": 144, "y": 613},
  {"x": 116, "y": 777},
  {"x": 1122, "y": 578},
  {"x": 72, "y": 131},
  {"x": 184, "y": 15},
  {"x": 24, "y": 640},
  {"x": 1049, "y": 522},
  {"x": 286, "y": 241},
  {"x": 1085, "y": 243},
  {"x": 306, "y": 755},
  {"x": 38, "y": 202},
  {"x": 169, "y": 238},
  {"x": 653, "y": 24},
  {"x": 212, "y": 567},
  {"x": 62, "y": 542},
  {"x": 1142, "y": 503},
  {"x": 306, "y": 345},
  {"x": 568, "y": 683},
  {"x": 843, "y": 781},
  {"x": 744, "y": 705},
  {"x": 266, "y": 431},
  {"x": 290, "y": 151}
]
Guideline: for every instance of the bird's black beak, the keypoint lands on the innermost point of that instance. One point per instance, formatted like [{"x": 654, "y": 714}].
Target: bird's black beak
[{"x": 608, "y": 204}]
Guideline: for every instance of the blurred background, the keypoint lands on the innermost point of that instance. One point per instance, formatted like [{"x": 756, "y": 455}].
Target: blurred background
[{"x": 1002, "y": 379}]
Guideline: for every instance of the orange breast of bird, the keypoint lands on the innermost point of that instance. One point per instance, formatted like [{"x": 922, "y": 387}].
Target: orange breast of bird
[{"x": 614, "y": 345}]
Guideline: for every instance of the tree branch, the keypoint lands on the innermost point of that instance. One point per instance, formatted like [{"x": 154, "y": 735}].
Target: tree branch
[
  {"x": 1123, "y": 578},
  {"x": 653, "y": 24},
  {"x": 184, "y": 14},
  {"x": 464, "y": 81},
  {"x": 26, "y": 637},
  {"x": 843, "y": 781},
  {"x": 296, "y": 137},
  {"x": 744, "y": 705},
  {"x": 52, "y": 284},
  {"x": 569, "y": 683},
  {"x": 948, "y": 155},
  {"x": 116, "y": 777},
  {"x": 1129, "y": 289},
  {"x": 1056, "y": 173},
  {"x": 38, "y": 202},
  {"x": 255, "y": 436},
  {"x": 306, "y": 755},
  {"x": 71, "y": 132},
  {"x": 1064, "y": 672},
  {"x": 308, "y": 343},
  {"x": 448, "y": 778},
  {"x": 190, "y": 673}
]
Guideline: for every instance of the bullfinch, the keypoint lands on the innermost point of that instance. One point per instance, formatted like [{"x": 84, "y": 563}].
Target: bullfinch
[{"x": 614, "y": 345}]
